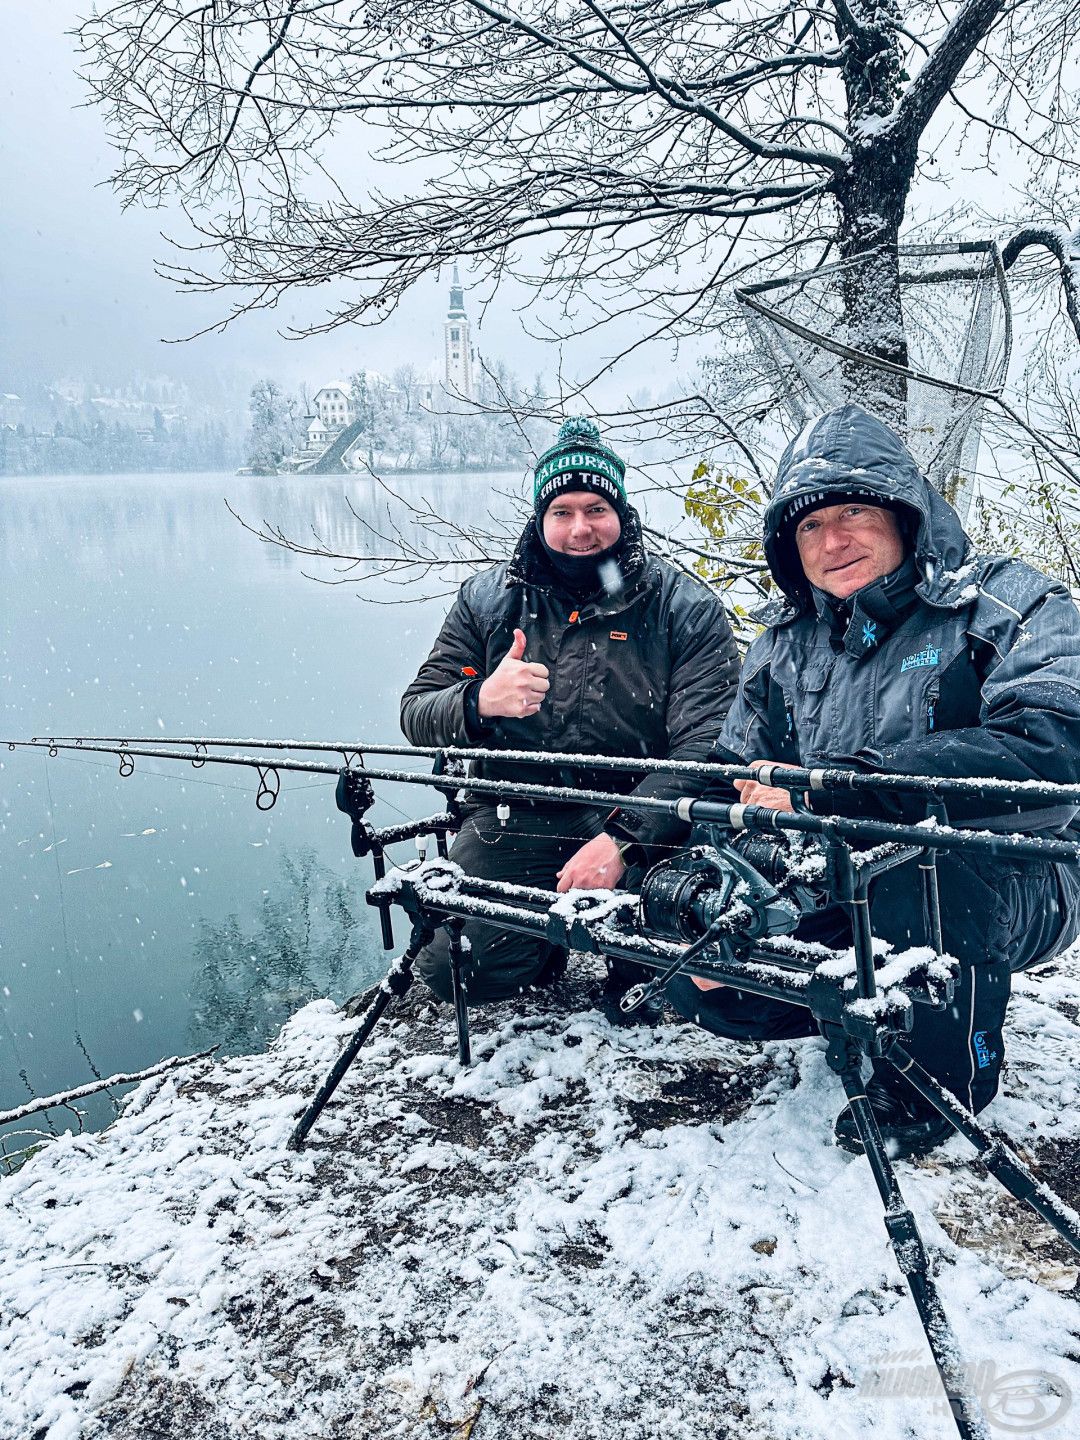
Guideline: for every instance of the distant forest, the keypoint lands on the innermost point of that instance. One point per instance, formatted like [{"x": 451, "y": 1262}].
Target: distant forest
[{"x": 151, "y": 423}]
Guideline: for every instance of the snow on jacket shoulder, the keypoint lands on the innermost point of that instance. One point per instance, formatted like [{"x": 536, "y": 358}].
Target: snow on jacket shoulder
[{"x": 649, "y": 672}]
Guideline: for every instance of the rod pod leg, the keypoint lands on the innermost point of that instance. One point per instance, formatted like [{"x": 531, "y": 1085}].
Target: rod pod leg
[
  {"x": 397, "y": 983},
  {"x": 928, "y": 868},
  {"x": 854, "y": 890},
  {"x": 845, "y": 1059},
  {"x": 454, "y": 926},
  {"x": 932, "y": 902},
  {"x": 1004, "y": 1164}
]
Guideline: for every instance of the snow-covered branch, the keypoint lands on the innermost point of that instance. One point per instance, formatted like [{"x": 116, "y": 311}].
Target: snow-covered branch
[
  {"x": 967, "y": 29},
  {"x": 1065, "y": 248},
  {"x": 94, "y": 1087}
]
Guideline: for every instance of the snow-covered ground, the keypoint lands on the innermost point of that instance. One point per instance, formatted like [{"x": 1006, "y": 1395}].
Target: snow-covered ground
[{"x": 593, "y": 1232}]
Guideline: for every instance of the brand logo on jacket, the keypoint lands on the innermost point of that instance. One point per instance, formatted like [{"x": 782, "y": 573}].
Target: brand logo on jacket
[
  {"x": 983, "y": 1054},
  {"x": 869, "y": 633},
  {"x": 921, "y": 660}
]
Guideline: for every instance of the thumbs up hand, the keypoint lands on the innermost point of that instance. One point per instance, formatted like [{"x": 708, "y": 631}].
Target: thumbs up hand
[{"x": 515, "y": 687}]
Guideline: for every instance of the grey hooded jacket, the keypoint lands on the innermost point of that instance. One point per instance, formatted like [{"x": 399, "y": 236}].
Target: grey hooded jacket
[
  {"x": 649, "y": 671},
  {"x": 960, "y": 664}
]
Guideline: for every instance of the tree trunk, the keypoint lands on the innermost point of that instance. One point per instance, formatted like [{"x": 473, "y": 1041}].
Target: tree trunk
[
  {"x": 871, "y": 198},
  {"x": 871, "y": 210}
]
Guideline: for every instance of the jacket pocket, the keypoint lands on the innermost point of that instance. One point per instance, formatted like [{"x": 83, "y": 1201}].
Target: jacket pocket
[
  {"x": 813, "y": 676},
  {"x": 811, "y": 732}
]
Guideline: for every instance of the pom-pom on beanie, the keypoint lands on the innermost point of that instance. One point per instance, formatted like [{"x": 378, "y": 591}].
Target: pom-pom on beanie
[{"x": 579, "y": 460}]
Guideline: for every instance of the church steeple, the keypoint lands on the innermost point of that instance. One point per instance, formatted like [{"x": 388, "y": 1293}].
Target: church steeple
[
  {"x": 458, "y": 348},
  {"x": 457, "y": 297}
]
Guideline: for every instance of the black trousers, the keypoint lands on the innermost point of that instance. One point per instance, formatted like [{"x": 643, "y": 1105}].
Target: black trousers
[
  {"x": 529, "y": 850},
  {"x": 997, "y": 916}
]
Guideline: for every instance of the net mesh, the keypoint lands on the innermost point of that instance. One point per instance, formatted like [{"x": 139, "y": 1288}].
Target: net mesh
[{"x": 817, "y": 333}]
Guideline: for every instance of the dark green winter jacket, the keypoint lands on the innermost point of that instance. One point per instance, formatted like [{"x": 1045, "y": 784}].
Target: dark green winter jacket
[{"x": 650, "y": 671}]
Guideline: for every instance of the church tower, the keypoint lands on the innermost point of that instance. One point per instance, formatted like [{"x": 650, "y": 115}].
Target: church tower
[{"x": 458, "y": 348}]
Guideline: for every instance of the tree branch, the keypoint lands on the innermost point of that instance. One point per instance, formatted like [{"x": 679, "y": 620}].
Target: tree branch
[
  {"x": 1065, "y": 248},
  {"x": 66, "y": 1097},
  {"x": 969, "y": 27}
]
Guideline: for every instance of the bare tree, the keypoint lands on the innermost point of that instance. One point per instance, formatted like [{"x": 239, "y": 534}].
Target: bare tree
[
  {"x": 626, "y": 159},
  {"x": 277, "y": 423},
  {"x": 625, "y": 156}
]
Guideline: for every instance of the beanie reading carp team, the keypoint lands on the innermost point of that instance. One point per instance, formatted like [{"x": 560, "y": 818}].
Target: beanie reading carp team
[{"x": 579, "y": 460}]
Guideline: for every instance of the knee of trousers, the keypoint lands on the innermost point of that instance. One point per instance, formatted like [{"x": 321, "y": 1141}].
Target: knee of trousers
[
  {"x": 701, "y": 1007},
  {"x": 485, "y": 981},
  {"x": 432, "y": 966}
]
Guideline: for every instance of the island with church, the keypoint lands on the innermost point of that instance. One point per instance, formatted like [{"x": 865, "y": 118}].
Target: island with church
[{"x": 453, "y": 417}]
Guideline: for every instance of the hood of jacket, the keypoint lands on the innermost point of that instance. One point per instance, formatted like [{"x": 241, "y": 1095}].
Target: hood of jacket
[
  {"x": 529, "y": 563},
  {"x": 851, "y": 450}
]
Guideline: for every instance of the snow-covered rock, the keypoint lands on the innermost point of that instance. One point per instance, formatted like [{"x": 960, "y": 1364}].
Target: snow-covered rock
[{"x": 593, "y": 1232}]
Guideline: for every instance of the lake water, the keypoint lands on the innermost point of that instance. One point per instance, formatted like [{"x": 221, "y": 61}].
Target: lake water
[{"x": 160, "y": 913}]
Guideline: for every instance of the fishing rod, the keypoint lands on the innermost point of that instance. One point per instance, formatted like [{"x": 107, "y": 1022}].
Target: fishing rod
[
  {"x": 789, "y": 777},
  {"x": 928, "y": 835},
  {"x": 421, "y": 752}
]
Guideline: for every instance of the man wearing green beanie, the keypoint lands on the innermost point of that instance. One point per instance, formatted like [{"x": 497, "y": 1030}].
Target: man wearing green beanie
[{"x": 583, "y": 643}]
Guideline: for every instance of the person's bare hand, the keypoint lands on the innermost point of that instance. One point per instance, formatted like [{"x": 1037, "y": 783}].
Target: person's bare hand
[
  {"x": 596, "y": 866},
  {"x": 751, "y": 792},
  {"x": 703, "y": 984},
  {"x": 515, "y": 687}
]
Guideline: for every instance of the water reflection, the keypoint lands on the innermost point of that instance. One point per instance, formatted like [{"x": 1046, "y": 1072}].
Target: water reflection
[
  {"x": 305, "y": 942},
  {"x": 129, "y": 519},
  {"x": 137, "y": 605}
]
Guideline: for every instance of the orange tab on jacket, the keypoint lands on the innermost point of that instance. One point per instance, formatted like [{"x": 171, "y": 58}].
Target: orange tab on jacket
[
  {"x": 469, "y": 671},
  {"x": 618, "y": 635},
  {"x": 573, "y": 617}
]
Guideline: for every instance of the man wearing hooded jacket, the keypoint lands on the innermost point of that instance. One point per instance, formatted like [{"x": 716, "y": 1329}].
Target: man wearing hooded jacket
[
  {"x": 586, "y": 644},
  {"x": 898, "y": 648}
]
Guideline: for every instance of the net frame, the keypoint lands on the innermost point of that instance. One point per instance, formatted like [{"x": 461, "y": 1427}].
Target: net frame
[{"x": 958, "y": 354}]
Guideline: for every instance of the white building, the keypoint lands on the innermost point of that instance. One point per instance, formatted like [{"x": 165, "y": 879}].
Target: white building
[
  {"x": 459, "y": 355},
  {"x": 319, "y": 434},
  {"x": 333, "y": 405}
]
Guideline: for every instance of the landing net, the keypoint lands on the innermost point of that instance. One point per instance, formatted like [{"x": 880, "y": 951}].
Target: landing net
[{"x": 819, "y": 333}]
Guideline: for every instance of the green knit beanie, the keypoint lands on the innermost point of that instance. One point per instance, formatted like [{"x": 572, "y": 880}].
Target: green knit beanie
[{"x": 579, "y": 460}]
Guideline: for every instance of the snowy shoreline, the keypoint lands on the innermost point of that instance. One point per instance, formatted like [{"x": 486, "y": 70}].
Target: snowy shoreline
[{"x": 593, "y": 1232}]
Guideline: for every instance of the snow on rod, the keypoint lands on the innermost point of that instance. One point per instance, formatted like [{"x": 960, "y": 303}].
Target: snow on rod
[
  {"x": 929, "y": 834},
  {"x": 793, "y": 777}
]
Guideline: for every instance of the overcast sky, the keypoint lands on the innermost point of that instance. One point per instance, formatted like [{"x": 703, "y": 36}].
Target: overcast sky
[{"x": 79, "y": 295}]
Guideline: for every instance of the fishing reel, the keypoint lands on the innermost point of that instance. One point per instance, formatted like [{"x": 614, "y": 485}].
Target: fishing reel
[{"x": 746, "y": 888}]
